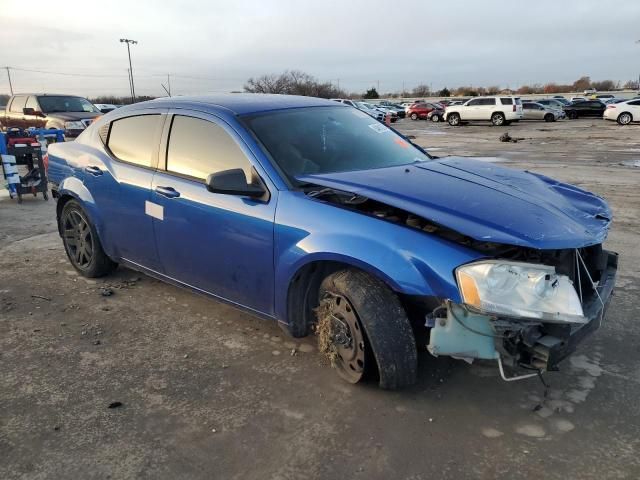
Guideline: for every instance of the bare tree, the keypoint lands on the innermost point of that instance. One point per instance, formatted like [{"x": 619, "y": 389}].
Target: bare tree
[{"x": 292, "y": 82}]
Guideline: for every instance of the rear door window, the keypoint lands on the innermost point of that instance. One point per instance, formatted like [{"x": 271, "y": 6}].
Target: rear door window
[
  {"x": 198, "y": 148},
  {"x": 487, "y": 101},
  {"x": 134, "y": 139}
]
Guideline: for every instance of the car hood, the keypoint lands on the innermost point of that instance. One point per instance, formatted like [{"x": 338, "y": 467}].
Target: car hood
[
  {"x": 71, "y": 116},
  {"x": 484, "y": 201}
]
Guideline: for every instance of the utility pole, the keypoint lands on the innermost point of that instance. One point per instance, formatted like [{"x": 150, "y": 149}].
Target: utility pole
[
  {"x": 130, "y": 42},
  {"x": 130, "y": 88},
  {"x": 9, "y": 75},
  {"x": 168, "y": 90}
]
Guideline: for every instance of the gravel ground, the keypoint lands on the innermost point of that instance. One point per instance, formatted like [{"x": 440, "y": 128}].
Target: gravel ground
[{"x": 209, "y": 392}]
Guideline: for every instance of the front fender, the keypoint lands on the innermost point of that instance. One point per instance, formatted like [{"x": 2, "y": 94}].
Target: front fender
[{"x": 409, "y": 261}]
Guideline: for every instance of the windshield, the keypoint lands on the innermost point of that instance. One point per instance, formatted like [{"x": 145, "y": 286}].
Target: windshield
[
  {"x": 52, "y": 104},
  {"x": 330, "y": 139}
]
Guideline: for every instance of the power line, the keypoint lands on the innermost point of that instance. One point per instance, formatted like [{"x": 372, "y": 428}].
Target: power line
[{"x": 67, "y": 74}]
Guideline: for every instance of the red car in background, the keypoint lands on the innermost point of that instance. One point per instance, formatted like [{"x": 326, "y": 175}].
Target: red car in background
[{"x": 419, "y": 111}]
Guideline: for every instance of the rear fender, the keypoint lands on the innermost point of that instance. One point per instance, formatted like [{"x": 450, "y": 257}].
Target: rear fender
[{"x": 73, "y": 187}]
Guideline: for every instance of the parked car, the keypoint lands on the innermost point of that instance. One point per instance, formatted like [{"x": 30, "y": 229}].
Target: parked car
[
  {"x": 394, "y": 107},
  {"x": 577, "y": 99},
  {"x": 553, "y": 103},
  {"x": 537, "y": 111},
  {"x": 499, "y": 110},
  {"x": 614, "y": 100},
  {"x": 585, "y": 108},
  {"x": 303, "y": 211},
  {"x": 436, "y": 115},
  {"x": 377, "y": 114},
  {"x": 561, "y": 99},
  {"x": 623, "y": 112},
  {"x": 106, "y": 107},
  {"x": 602, "y": 96},
  {"x": 419, "y": 111},
  {"x": 65, "y": 112},
  {"x": 589, "y": 91},
  {"x": 374, "y": 110}
]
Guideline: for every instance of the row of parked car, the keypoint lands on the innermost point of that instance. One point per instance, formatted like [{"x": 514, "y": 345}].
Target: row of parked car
[{"x": 504, "y": 109}]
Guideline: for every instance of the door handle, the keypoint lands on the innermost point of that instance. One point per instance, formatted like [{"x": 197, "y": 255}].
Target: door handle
[
  {"x": 95, "y": 171},
  {"x": 168, "y": 192}
]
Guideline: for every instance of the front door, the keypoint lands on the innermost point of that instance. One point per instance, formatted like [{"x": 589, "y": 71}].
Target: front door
[{"x": 220, "y": 244}]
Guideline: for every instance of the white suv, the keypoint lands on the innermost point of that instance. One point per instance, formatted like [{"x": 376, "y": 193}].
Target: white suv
[{"x": 497, "y": 110}]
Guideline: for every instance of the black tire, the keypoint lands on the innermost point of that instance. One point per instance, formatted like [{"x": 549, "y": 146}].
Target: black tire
[
  {"x": 549, "y": 117},
  {"x": 414, "y": 116},
  {"x": 81, "y": 242},
  {"x": 453, "y": 119},
  {"x": 572, "y": 114},
  {"x": 624, "y": 118},
  {"x": 388, "y": 340},
  {"x": 498, "y": 119},
  {"x": 435, "y": 118}
]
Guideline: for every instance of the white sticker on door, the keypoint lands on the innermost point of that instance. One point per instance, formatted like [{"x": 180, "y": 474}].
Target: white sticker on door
[{"x": 154, "y": 210}]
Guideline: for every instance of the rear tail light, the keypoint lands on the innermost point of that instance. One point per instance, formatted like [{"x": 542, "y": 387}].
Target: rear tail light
[
  {"x": 45, "y": 161},
  {"x": 611, "y": 106}
]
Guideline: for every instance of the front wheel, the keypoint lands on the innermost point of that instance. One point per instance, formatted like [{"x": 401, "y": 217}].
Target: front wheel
[
  {"x": 572, "y": 115},
  {"x": 361, "y": 325},
  {"x": 435, "y": 118},
  {"x": 81, "y": 242},
  {"x": 453, "y": 119},
  {"x": 497, "y": 119},
  {"x": 624, "y": 118},
  {"x": 414, "y": 116},
  {"x": 549, "y": 117}
]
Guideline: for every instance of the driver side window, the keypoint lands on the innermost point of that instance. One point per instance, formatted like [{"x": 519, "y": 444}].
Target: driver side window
[{"x": 198, "y": 148}]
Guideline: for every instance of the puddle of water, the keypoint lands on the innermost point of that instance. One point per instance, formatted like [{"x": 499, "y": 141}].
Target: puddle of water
[{"x": 631, "y": 163}]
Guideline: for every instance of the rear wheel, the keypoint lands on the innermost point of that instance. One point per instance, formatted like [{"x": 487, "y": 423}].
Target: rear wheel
[
  {"x": 497, "y": 119},
  {"x": 81, "y": 242},
  {"x": 361, "y": 325},
  {"x": 435, "y": 118},
  {"x": 414, "y": 116},
  {"x": 453, "y": 119},
  {"x": 572, "y": 114},
  {"x": 625, "y": 118}
]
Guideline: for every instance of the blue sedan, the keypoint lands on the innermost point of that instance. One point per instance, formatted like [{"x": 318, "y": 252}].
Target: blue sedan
[{"x": 314, "y": 214}]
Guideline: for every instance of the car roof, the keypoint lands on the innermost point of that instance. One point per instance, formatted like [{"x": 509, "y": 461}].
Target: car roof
[{"x": 238, "y": 103}]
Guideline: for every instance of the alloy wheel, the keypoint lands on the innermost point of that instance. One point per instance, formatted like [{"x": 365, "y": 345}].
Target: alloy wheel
[{"x": 78, "y": 238}]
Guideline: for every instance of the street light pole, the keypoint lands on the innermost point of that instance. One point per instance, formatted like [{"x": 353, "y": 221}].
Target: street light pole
[{"x": 130, "y": 42}]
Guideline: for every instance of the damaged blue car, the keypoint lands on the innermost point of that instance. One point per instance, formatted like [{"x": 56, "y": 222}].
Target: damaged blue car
[{"x": 316, "y": 215}]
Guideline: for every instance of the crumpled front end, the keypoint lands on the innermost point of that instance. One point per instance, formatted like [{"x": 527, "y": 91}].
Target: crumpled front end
[{"x": 487, "y": 330}]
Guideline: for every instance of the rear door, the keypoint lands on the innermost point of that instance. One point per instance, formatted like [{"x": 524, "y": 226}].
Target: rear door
[
  {"x": 634, "y": 110},
  {"x": 121, "y": 186},
  {"x": 220, "y": 244}
]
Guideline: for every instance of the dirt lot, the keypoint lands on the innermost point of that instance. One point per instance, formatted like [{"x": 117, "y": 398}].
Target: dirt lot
[{"x": 208, "y": 392}]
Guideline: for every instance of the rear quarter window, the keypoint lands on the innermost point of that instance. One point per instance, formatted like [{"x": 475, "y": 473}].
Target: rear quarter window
[
  {"x": 506, "y": 101},
  {"x": 134, "y": 139}
]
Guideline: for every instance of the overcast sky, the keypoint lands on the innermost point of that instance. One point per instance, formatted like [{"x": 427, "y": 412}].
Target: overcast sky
[{"x": 360, "y": 42}]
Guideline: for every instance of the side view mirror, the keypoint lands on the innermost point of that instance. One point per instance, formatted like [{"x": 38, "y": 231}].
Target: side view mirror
[{"x": 233, "y": 182}]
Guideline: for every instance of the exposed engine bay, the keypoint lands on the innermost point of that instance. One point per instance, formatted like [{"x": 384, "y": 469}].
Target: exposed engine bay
[{"x": 462, "y": 332}]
